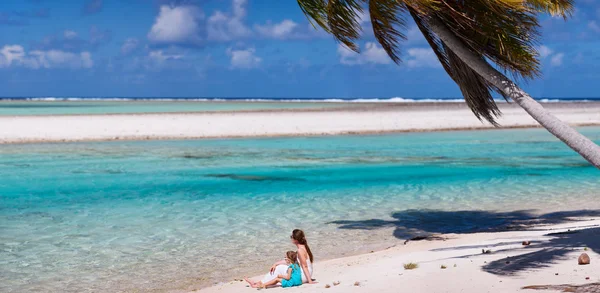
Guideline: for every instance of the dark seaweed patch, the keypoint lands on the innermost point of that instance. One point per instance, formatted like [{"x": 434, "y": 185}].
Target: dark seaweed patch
[
  {"x": 196, "y": 157},
  {"x": 108, "y": 171},
  {"x": 253, "y": 177}
]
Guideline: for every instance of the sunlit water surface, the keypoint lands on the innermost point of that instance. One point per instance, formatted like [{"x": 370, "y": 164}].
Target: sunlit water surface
[
  {"x": 9, "y": 108},
  {"x": 126, "y": 216}
]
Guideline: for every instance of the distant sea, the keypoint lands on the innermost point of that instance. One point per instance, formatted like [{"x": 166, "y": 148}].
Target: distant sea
[
  {"x": 117, "y": 105},
  {"x": 268, "y": 99},
  {"x": 149, "y": 216}
]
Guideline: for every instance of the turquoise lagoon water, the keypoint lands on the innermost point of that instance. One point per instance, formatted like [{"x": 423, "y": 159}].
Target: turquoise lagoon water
[
  {"x": 81, "y": 106},
  {"x": 129, "y": 107},
  {"x": 163, "y": 215}
]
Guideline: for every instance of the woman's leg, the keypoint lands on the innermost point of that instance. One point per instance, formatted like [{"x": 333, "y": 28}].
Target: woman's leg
[{"x": 279, "y": 270}]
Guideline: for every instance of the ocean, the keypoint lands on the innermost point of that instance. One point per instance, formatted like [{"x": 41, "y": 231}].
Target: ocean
[
  {"x": 161, "y": 215},
  {"x": 111, "y": 105}
]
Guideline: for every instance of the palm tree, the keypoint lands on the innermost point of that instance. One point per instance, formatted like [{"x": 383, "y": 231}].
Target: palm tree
[{"x": 466, "y": 36}]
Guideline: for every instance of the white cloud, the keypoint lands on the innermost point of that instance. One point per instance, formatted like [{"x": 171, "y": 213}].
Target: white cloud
[
  {"x": 61, "y": 59},
  {"x": 159, "y": 59},
  {"x": 187, "y": 25},
  {"x": 68, "y": 34},
  {"x": 557, "y": 59},
  {"x": 244, "y": 59},
  {"x": 16, "y": 56},
  {"x": 422, "y": 57},
  {"x": 371, "y": 54},
  {"x": 282, "y": 30},
  {"x": 160, "y": 56},
  {"x": 238, "y": 8},
  {"x": 593, "y": 25},
  {"x": 129, "y": 45},
  {"x": 544, "y": 51},
  {"x": 375, "y": 54},
  {"x": 10, "y": 54},
  {"x": 223, "y": 27},
  {"x": 176, "y": 24}
]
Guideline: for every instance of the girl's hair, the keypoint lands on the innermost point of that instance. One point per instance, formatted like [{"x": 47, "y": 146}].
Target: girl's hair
[
  {"x": 292, "y": 256},
  {"x": 298, "y": 235}
]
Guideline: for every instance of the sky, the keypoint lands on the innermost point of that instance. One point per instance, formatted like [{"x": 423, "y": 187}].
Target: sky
[{"x": 245, "y": 48}]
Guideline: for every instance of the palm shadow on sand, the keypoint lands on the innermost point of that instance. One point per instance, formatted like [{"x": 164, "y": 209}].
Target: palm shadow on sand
[
  {"x": 410, "y": 224},
  {"x": 546, "y": 253},
  {"x": 414, "y": 223}
]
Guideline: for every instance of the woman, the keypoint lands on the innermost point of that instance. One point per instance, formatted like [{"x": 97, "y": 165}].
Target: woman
[{"x": 305, "y": 259}]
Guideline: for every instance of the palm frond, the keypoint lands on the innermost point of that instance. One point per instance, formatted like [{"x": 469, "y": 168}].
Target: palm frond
[
  {"x": 315, "y": 12},
  {"x": 475, "y": 90},
  {"x": 343, "y": 19},
  {"x": 562, "y": 8},
  {"x": 502, "y": 32},
  {"x": 387, "y": 20}
]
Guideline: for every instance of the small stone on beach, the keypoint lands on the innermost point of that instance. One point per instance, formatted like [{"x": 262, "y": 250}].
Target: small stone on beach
[
  {"x": 587, "y": 278},
  {"x": 556, "y": 274},
  {"x": 336, "y": 283},
  {"x": 327, "y": 286},
  {"x": 526, "y": 243},
  {"x": 583, "y": 259},
  {"x": 357, "y": 283}
]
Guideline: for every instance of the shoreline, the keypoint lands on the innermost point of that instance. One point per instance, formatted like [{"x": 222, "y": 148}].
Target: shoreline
[
  {"x": 506, "y": 269},
  {"x": 356, "y": 120}
]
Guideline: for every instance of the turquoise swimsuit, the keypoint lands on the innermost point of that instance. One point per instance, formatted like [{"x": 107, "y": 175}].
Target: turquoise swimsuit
[{"x": 295, "y": 277}]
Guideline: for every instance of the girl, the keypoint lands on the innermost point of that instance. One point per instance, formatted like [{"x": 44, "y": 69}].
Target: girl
[
  {"x": 292, "y": 278},
  {"x": 305, "y": 260}
]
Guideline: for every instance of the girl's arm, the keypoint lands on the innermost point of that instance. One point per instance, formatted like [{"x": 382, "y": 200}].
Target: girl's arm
[
  {"x": 288, "y": 276},
  {"x": 304, "y": 266}
]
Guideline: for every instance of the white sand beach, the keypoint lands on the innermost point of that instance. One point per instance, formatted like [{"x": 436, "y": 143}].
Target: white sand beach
[
  {"x": 550, "y": 259},
  {"x": 369, "y": 118}
]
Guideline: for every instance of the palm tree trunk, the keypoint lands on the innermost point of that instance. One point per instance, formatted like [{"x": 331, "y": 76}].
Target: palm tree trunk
[{"x": 575, "y": 140}]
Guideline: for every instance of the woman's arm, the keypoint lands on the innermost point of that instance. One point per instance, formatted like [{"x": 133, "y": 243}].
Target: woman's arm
[
  {"x": 281, "y": 262},
  {"x": 302, "y": 258},
  {"x": 288, "y": 276}
]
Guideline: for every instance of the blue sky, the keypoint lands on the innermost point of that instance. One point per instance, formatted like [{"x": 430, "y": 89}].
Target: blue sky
[{"x": 244, "y": 48}]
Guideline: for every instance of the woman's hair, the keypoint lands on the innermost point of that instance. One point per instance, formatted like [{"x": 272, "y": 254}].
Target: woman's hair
[
  {"x": 292, "y": 256},
  {"x": 298, "y": 235}
]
